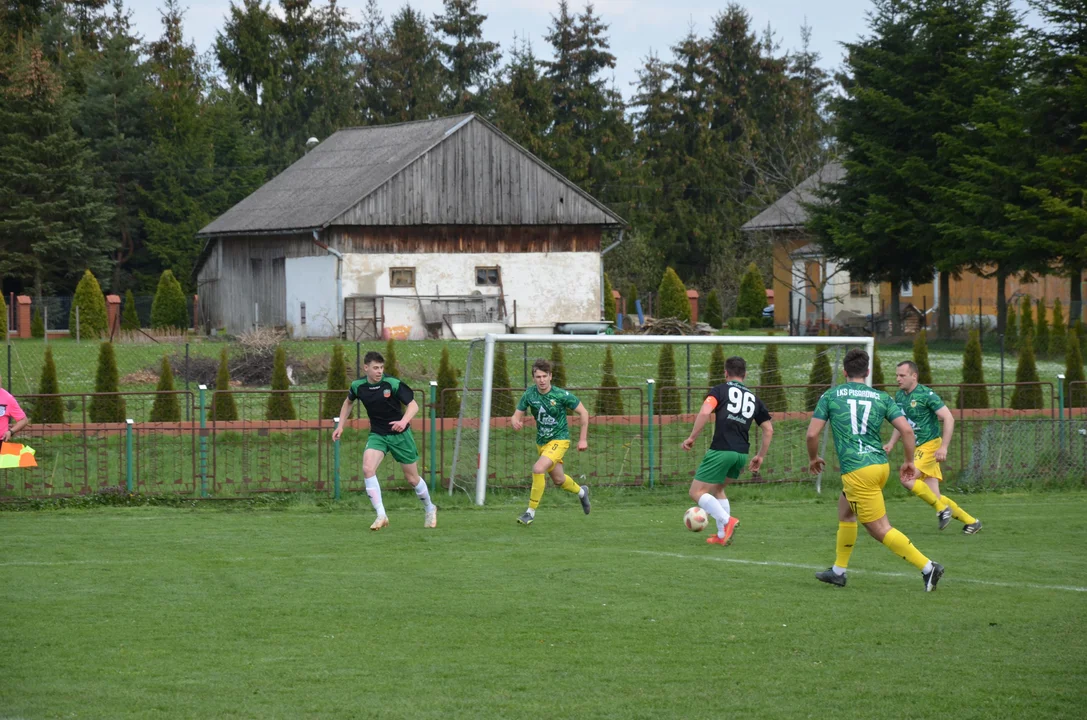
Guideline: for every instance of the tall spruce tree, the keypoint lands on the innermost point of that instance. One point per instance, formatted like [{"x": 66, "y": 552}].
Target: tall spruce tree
[
  {"x": 973, "y": 372},
  {"x": 522, "y": 101},
  {"x": 412, "y": 69},
  {"x": 468, "y": 59}
]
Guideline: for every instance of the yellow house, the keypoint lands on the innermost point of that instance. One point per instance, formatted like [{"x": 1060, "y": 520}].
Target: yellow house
[{"x": 810, "y": 289}]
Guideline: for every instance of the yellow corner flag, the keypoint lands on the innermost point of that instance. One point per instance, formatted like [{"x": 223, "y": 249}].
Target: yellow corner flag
[{"x": 16, "y": 456}]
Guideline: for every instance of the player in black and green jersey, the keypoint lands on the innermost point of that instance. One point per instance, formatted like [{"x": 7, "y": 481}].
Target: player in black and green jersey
[
  {"x": 548, "y": 406},
  {"x": 925, "y": 411},
  {"x": 856, "y": 413},
  {"x": 390, "y": 432}
]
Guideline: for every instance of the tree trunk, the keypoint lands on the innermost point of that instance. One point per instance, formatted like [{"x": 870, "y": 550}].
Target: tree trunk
[
  {"x": 896, "y": 309},
  {"x": 1075, "y": 309},
  {"x": 1001, "y": 299},
  {"x": 943, "y": 312}
]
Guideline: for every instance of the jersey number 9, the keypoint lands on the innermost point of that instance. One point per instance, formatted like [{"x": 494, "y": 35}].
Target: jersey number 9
[{"x": 740, "y": 402}]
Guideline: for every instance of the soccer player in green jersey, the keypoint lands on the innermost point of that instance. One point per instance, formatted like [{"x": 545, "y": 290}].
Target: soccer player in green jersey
[
  {"x": 925, "y": 411},
  {"x": 390, "y": 432},
  {"x": 548, "y": 406},
  {"x": 855, "y": 413}
]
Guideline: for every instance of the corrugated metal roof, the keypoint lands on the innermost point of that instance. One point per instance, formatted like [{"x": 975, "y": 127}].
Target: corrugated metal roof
[
  {"x": 789, "y": 212},
  {"x": 339, "y": 173}
]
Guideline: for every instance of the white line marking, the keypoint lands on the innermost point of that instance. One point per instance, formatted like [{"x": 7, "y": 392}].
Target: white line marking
[
  {"x": 44, "y": 563},
  {"x": 775, "y": 563}
]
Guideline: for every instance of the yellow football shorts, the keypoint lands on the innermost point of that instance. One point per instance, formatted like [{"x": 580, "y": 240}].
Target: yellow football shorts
[
  {"x": 554, "y": 451},
  {"x": 925, "y": 458},
  {"x": 863, "y": 489}
]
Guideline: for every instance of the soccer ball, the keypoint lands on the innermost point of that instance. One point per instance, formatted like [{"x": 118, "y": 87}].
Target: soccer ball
[{"x": 695, "y": 519}]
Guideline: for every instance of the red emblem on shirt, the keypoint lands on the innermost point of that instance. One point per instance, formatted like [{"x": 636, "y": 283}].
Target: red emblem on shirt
[{"x": 388, "y": 393}]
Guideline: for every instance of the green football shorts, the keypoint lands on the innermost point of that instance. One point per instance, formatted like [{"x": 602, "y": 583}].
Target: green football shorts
[
  {"x": 401, "y": 446},
  {"x": 718, "y": 465}
]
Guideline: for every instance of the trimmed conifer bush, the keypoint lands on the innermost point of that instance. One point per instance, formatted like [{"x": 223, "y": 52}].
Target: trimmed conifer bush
[
  {"x": 37, "y": 324},
  {"x": 673, "y": 301},
  {"x": 169, "y": 309},
  {"x": 130, "y": 320},
  {"x": 920, "y": 356},
  {"x": 1073, "y": 373},
  {"x": 166, "y": 407},
  {"x": 92, "y": 308},
  {"x": 223, "y": 407},
  {"x": 1026, "y": 397},
  {"x": 973, "y": 372},
  {"x": 717, "y": 366},
  {"x": 502, "y": 403},
  {"x": 558, "y": 366},
  {"x": 3, "y": 318},
  {"x": 877, "y": 367},
  {"x": 712, "y": 315},
  {"x": 611, "y": 312},
  {"x": 752, "y": 294},
  {"x": 392, "y": 366},
  {"x": 280, "y": 405},
  {"x": 1011, "y": 330},
  {"x": 448, "y": 402},
  {"x": 668, "y": 402},
  {"x": 609, "y": 400},
  {"x": 1041, "y": 330},
  {"x": 106, "y": 408},
  {"x": 336, "y": 384},
  {"x": 819, "y": 379},
  {"x": 1058, "y": 334},
  {"x": 48, "y": 409},
  {"x": 769, "y": 377},
  {"x": 1026, "y": 318},
  {"x": 632, "y": 300}
]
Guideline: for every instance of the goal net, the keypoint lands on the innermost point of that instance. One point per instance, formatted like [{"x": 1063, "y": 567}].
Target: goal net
[{"x": 642, "y": 393}]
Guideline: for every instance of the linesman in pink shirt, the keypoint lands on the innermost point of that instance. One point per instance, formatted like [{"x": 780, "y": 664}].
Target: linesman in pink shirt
[{"x": 10, "y": 412}]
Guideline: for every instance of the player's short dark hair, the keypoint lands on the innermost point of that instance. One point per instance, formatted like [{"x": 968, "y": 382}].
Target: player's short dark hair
[
  {"x": 911, "y": 365},
  {"x": 856, "y": 363},
  {"x": 373, "y": 356},
  {"x": 541, "y": 365},
  {"x": 736, "y": 366}
]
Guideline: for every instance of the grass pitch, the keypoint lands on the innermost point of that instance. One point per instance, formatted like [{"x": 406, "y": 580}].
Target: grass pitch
[{"x": 301, "y": 612}]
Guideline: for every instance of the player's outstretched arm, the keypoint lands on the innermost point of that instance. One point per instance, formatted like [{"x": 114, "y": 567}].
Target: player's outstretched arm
[
  {"x": 583, "y": 419},
  {"x": 518, "y": 420},
  {"x": 815, "y": 463},
  {"x": 891, "y": 443},
  {"x": 949, "y": 430},
  {"x": 907, "y": 471},
  {"x": 766, "y": 435},
  {"x": 700, "y": 421},
  {"x": 405, "y": 422},
  {"x": 345, "y": 412}
]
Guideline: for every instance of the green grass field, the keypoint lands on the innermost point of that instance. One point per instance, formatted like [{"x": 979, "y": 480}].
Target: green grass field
[{"x": 301, "y": 612}]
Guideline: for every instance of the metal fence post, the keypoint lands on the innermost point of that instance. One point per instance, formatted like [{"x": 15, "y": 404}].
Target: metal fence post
[
  {"x": 433, "y": 459},
  {"x": 336, "y": 464},
  {"x": 76, "y": 324},
  {"x": 187, "y": 408},
  {"x": 649, "y": 389},
  {"x": 7, "y": 378},
  {"x": 45, "y": 323},
  {"x": 1060, "y": 413},
  {"x": 203, "y": 442},
  {"x": 129, "y": 479},
  {"x": 688, "y": 377},
  {"x": 358, "y": 359}
]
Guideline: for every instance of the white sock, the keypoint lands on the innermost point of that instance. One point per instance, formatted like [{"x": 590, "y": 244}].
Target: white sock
[
  {"x": 927, "y": 569},
  {"x": 423, "y": 493},
  {"x": 581, "y": 492},
  {"x": 839, "y": 570},
  {"x": 531, "y": 512},
  {"x": 374, "y": 491},
  {"x": 714, "y": 507}
]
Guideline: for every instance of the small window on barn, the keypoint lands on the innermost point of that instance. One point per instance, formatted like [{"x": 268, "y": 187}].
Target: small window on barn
[
  {"x": 402, "y": 277},
  {"x": 487, "y": 276},
  {"x": 858, "y": 289}
]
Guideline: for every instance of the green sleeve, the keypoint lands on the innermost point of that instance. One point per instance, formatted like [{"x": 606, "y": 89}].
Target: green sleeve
[
  {"x": 571, "y": 400},
  {"x": 934, "y": 401},
  {"x": 893, "y": 410},
  {"x": 522, "y": 404},
  {"x": 822, "y": 408}
]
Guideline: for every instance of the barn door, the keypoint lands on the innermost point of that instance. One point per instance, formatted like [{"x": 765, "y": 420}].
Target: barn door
[
  {"x": 360, "y": 318},
  {"x": 269, "y": 286}
]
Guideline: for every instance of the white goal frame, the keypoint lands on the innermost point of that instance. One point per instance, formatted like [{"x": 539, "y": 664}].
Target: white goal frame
[{"x": 490, "y": 339}]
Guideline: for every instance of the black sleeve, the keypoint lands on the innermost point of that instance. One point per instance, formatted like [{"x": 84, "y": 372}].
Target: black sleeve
[
  {"x": 351, "y": 393},
  {"x": 404, "y": 393},
  {"x": 761, "y": 413}
]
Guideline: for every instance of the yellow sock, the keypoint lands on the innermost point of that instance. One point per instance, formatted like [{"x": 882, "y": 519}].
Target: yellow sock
[
  {"x": 847, "y": 538},
  {"x": 536, "y": 494},
  {"x": 570, "y": 486},
  {"x": 901, "y": 546},
  {"x": 958, "y": 513},
  {"x": 923, "y": 491}
]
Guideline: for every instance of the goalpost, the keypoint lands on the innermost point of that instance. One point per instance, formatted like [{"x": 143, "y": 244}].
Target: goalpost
[{"x": 484, "y": 406}]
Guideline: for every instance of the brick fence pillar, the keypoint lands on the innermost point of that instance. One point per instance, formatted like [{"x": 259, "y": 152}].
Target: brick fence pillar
[
  {"x": 113, "y": 313},
  {"x": 692, "y": 298},
  {"x": 23, "y": 308}
]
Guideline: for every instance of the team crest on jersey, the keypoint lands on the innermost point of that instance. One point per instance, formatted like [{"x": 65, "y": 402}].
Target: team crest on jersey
[
  {"x": 552, "y": 403},
  {"x": 387, "y": 393},
  {"x": 913, "y": 403}
]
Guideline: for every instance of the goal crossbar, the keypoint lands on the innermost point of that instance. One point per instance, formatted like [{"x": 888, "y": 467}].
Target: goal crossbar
[{"x": 867, "y": 342}]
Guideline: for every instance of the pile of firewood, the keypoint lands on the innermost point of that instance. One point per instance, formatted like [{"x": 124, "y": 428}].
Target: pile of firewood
[{"x": 673, "y": 326}]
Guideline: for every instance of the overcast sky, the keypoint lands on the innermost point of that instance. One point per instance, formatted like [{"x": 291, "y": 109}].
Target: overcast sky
[{"x": 636, "y": 26}]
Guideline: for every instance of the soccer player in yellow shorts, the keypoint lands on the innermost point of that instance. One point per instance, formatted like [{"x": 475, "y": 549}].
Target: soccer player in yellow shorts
[
  {"x": 924, "y": 410},
  {"x": 548, "y": 405},
  {"x": 855, "y": 413}
]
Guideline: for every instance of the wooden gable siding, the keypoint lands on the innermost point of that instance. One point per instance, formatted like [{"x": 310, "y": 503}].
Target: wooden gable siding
[
  {"x": 475, "y": 177},
  {"x": 465, "y": 239}
]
